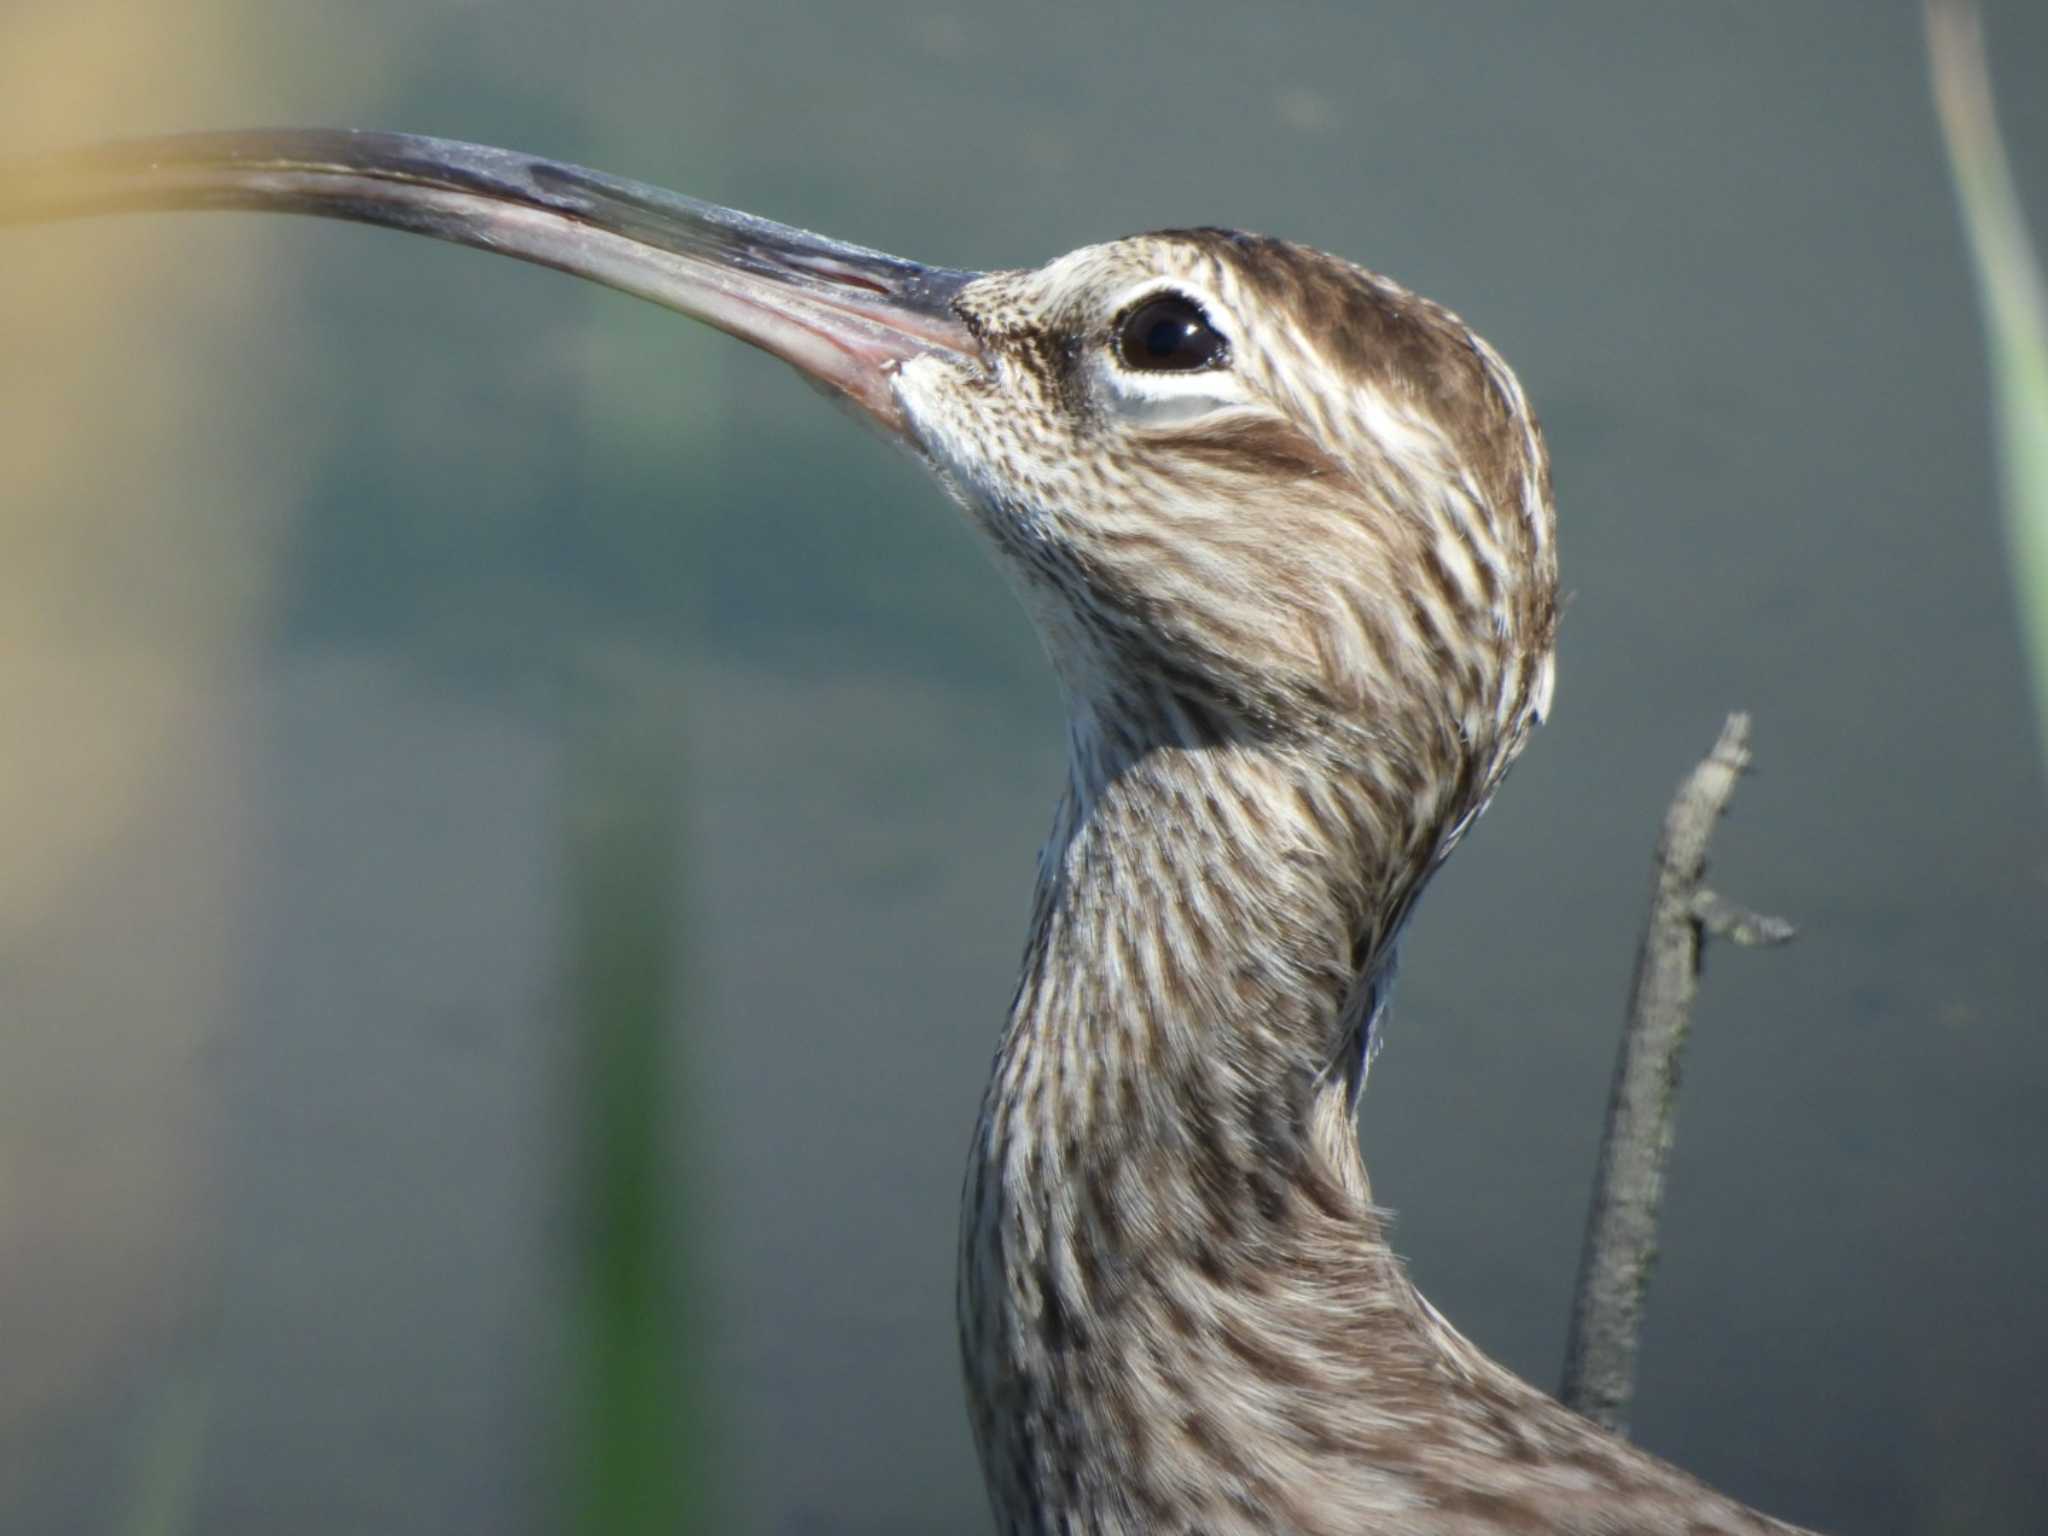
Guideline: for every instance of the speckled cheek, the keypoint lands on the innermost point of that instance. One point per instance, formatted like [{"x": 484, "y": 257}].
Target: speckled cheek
[{"x": 975, "y": 463}]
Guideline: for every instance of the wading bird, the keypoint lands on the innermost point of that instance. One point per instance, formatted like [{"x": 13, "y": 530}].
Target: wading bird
[{"x": 1286, "y": 531}]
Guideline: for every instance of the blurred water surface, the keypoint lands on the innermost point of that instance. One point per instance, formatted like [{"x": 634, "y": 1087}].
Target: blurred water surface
[{"x": 320, "y": 543}]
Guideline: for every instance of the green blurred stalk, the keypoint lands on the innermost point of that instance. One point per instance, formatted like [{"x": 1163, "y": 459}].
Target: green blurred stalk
[
  {"x": 639, "y": 1459},
  {"x": 2010, "y": 284},
  {"x": 173, "y": 1450}
]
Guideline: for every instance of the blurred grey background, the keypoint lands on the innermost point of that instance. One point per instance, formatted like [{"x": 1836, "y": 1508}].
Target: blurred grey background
[{"x": 323, "y": 548}]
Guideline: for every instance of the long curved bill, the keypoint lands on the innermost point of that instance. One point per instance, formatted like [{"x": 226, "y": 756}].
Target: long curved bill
[{"x": 846, "y": 316}]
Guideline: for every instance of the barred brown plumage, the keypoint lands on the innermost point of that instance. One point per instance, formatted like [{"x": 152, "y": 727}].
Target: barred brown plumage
[
  {"x": 1299, "y": 581},
  {"x": 1305, "y": 619}
]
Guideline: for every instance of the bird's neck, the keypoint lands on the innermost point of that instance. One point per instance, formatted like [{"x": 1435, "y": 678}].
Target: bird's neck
[
  {"x": 1168, "y": 1133},
  {"x": 1177, "y": 1309}
]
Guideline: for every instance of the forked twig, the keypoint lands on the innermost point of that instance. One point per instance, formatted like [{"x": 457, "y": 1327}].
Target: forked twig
[{"x": 1621, "y": 1230}]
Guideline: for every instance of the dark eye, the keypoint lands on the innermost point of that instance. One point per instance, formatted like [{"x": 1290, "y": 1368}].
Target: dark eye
[{"x": 1169, "y": 334}]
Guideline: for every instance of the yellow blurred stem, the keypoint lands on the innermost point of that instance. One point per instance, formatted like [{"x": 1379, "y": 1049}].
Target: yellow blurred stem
[{"x": 2015, "y": 310}]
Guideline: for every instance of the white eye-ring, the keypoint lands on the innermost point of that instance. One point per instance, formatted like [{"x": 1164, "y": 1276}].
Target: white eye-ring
[{"x": 1169, "y": 355}]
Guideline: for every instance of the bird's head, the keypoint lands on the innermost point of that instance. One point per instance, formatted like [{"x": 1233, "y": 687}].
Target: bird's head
[{"x": 1248, "y": 490}]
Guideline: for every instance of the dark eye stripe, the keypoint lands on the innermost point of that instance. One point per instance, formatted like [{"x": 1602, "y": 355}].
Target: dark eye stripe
[{"x": 1169, "y": 334}]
